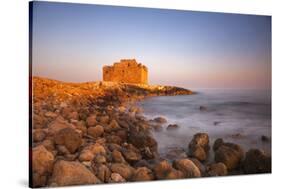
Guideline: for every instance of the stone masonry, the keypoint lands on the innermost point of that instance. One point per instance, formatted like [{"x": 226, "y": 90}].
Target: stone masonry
[{"x": 126, "y": 71}]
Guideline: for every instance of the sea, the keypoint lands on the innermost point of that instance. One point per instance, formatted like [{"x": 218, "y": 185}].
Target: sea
[{"x": 238, "y": 116}]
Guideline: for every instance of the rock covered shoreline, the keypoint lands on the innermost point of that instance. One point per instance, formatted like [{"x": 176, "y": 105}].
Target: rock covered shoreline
[{"x": 91, "y": 133}]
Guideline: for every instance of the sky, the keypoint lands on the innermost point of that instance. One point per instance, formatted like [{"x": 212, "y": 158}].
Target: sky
[{"x": 72, "y": 42}]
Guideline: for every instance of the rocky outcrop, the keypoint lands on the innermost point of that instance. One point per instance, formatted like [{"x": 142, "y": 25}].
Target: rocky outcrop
[{"x": 91, "y": 133}]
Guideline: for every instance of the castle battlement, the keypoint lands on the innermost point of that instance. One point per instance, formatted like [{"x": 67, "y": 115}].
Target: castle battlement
[{"x": 126, "y": 71}]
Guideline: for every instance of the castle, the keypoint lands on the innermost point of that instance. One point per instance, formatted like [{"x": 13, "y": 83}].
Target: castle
[{"x": 126, "y": 71}]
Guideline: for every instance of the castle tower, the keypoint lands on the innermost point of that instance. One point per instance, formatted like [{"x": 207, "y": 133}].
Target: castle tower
[{"x": 126, "y": 71}]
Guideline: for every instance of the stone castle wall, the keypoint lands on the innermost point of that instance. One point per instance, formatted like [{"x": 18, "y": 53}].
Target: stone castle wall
[{"x": 126, "y": 71}]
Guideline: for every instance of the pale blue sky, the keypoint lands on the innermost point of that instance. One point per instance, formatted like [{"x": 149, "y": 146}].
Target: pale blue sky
[{"x": 71, "y": 42}]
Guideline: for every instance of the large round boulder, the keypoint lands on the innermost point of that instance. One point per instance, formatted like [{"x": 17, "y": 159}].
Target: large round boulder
[
  {"x": 257, "y": 161},
  {"x": 199, "y": 146},
  {"x": 230, "y": 154},
  {"x": 67, "y": 173},
  {"x": 189, "y": 169}
]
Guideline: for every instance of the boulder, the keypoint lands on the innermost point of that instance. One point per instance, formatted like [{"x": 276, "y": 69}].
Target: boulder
[
  {"x": 200, "y": 166},
  {"x": 100, "y": 159},
  {"x": 113, "y": 126},
  {"x": 38, "y": 180},
  {"x": 143, "y": 174},
  {"x": 189, "y": 169},
  {"x": 198, "y": 153},
  {"x": 103, "y": 119},
  {"x": 38, "y": 121},
  {"x": 203, "y": 108},
  {"x": 73, "y": 116},
  {"x": 160, "y": 120},
  {"x": 51, "y": 114},
  {"x": 91, "y": 151},
  {"x": 256, "y": 161},
  {"x": 142, "y": 139},
  {"x": 116, "y": 178},
  {"x": 67, "y": 173},
  {"x": 164, "y": 170},
  {"x": 86, "y": 155},
  {"x": 131, "y": 154},
  {"x": 91, "y": 120},
  {"x": 48, "y": 144},
  {"x": 42, "y": 160},
  {"x": 175, "y": 153},
  {"x": 265, "y": 138},
  {"x": 199, "y": 146},
  {"x": 69, "y": 138},
  {"x": 218, "y": 142},
  {"x": 117, "y": 157},
  {"x": 42, "y": 164},
  {"x": 81, "y": 125},
  {"x": 157, "y": 127},
  {"x": 102, "y": 172},
  {"x": 113, "y": 139},
  {"x": 230, "y": 154},
  {"x": 96, "y": 131},
  {"x": 58, "y": 124},
  {"x": 38, "y": 135},
  {"x": 62, "y": 150},
  {"x": 96, "y": 149},
  {"x": 122, "y": 134},
  {"x": 124, "y": 170},
  {"x": 172, "y": 127},
  {"x": 217, "y": 169}
]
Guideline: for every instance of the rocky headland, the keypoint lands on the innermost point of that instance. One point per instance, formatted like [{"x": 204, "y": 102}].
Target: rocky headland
[{"x": 91, "y": 133}]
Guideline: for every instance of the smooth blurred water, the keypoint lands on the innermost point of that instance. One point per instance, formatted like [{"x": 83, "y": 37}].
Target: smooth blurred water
[{"x": 239, "y": 116}]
